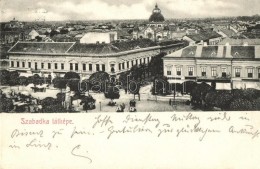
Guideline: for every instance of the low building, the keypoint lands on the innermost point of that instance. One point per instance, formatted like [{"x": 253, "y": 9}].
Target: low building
[
  {"x": 233, "y": 66},
  {"x": 210, "y": 38},
  {"x": 61, "y": 57}
]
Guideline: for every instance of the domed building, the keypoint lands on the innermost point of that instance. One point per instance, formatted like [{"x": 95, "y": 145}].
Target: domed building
[
  {"x": 156, "y": 16},
  {"x": 155, "y": 29}
]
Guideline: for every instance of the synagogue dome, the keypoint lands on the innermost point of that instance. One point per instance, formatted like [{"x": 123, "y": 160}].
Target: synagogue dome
[{"x": 156, "y": 15}]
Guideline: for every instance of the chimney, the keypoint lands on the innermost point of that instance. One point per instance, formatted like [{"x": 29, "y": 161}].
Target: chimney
[{"x": 245, "y": 44}]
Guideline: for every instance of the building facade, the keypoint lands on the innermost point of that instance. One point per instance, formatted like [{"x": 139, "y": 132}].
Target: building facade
[
  {"x": 57, "y": 58},
  {"x": 229, "y": 66}
]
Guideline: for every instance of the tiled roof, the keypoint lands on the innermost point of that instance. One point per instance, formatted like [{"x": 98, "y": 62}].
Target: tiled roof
[
  {"x": 77, "y": 48},
  {"x": 228, "y": 32},
  {"x": 243, "y": 51},
  {"x": 133, "y": 44},
  {"x": 41, "y": 47},
  {"x": 209, "y": 51},
  {"x": 168, "y": 42},
  {"x": 204, "y": 36},
  {"x": 93, "y": 48},
  {"x": 219, "y": 51},
  {"x": 189, "y": 51},
  {"x": 240, "y": 41}
]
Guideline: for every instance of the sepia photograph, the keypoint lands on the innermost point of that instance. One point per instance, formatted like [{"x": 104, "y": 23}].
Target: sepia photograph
[
  {"x": 166, "y": 58},
  {"x": 93, "y": 68}
]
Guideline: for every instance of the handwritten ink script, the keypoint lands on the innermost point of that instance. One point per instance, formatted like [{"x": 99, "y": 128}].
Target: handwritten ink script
[{"x": 83, "y": 136}]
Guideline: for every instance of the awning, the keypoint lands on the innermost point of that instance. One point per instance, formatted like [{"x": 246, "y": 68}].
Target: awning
[
  {"x": 223, "y": 86},
  {"x": 26, "y": 74},
  {"x": 175, "y": 81}
]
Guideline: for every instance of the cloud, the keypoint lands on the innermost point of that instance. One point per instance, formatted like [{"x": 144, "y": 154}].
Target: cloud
[{"x": 122, "y": 9}]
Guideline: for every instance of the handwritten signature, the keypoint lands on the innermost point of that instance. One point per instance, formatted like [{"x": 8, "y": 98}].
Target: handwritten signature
[{"x": 76, "y": 152}]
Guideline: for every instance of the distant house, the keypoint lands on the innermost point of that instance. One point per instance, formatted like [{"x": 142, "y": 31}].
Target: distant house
[
  {"x": 14, "y": 24},
  {"x": 227, "y": 33},
  {"x": 79, "y": 27},
  {"x": 9, "y": 37},
  {"x": 32, "y": 34},
  {"x": 99, "y": 37},
  {"x": 63, "y": 38},
  {"x": 191, "y": 32},
  {"x": 210, "y": 38}
]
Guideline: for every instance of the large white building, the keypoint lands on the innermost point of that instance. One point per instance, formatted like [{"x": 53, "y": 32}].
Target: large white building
[
  {"x": 57, "y": 58},
  {"x": 99, "y": 37},
  {"x": 229, "y": 66}
]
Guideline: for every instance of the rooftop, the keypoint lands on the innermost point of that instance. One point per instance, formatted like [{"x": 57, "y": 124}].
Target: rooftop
[
  {"x": 240, "y": 41},
  {"x": 219, "y": 51},
  {"x": 76, "y": 48},
  {"x": 41, "y": 47},
  {"x": 204, "y": 36}
]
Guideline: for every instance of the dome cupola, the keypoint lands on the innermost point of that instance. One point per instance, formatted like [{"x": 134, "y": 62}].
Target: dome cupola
[{"x": 156, "y": 15}]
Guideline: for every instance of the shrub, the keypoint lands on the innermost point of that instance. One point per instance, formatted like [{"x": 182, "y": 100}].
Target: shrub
[
  {"x": 6, "y": 105},
  {"x": 241, "y": 105},
  {"x": 223, "y": 100}
]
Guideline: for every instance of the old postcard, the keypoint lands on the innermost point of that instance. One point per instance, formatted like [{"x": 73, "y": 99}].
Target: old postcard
[{"x": 129, "y": 84}]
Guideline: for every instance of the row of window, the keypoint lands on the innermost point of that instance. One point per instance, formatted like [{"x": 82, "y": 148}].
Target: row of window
[
  {"x": 75, "y": 66},
  {"x": 36, "y": 65},
  {"x": 49, "y": 66},
  {"x": 126, "y": 65},
  {"x": 213, "y": 72}
]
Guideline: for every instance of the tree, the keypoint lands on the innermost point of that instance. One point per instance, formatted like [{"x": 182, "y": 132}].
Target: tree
[
  {"x": 6, "y": 105},
  {"x": 74, "y": 84},
  {"x": 23, "y": 80},
  {"x": 189, "y": 86},
  {"x": 160, "y": 86},
  {"x": 112, "y": 93},
  {"x": 59, "y": 82},
  {"x": 71, "y": 75},
  {"x": 88, "y": 103},
  {"x": 35, "y": 79},
  {"x": 13, "y": 80},
  {"x": 256, "y": 104},
  {"x": 155, "y": 66},
  {"x": 134, "y": 88},
  {"x": 210, "y": 99},
  {"x": 223, "y": 100},
  {"x": 4, "y": 77},
  {"x": 199, "y": 93},
  {"x": 135, "y": 72},
  {"x": 60, "y": 97},
  {"x": 98, "y": 81},
  {"x": 123, "y": 78},
  {"x": 249, "y": 94},
  {"x": 51, "y": 105}
]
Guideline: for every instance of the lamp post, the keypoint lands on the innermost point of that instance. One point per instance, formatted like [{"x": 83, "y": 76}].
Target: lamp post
[{"x": 100, "y": 106}]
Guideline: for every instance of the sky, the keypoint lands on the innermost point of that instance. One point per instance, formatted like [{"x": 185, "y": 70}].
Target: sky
[{"x": 58, "y": 10}]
